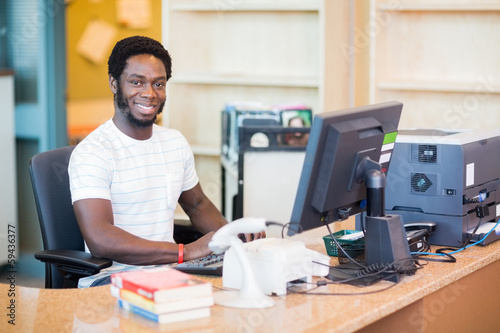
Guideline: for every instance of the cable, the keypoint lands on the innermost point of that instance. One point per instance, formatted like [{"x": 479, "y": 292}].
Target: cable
[
  {"x": 286, "y": 226},
  {"x": 472, "y": 234},
  {"x": 355, "y": 276},
  {"x": 449, "y": 254},
  {"x": 322, "y": 283},
  {"x": 425, "y": 245},
  {"x": 481, "y": 211},
  {"x": 362, "y": 216},
  {"x": 377, "y": 268},
  {"x": 395, "y": 267},
  {"x": 340, "y": 248},
  {"x": 366, "y": 271}
]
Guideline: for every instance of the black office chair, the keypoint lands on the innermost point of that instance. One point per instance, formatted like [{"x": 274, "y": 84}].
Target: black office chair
[{"x": 64, "y": 254}]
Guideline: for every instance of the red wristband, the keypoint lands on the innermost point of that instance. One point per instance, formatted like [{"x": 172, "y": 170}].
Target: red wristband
[{"x": 181, "y": 254}]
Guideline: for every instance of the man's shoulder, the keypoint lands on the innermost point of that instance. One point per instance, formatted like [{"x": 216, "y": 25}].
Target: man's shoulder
[
  {"x": 170, "y": 135},
  {"x": 96, "y": 141},
  {"x": 103, "y": 136},
  {"x": 105, "y": 132}
]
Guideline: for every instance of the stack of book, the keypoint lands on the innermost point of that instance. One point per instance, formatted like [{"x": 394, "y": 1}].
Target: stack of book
[{"x": 164, "y": 294}]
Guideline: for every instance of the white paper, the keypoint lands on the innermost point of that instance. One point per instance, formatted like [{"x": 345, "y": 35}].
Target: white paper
[{"x": 96, "y": 41}]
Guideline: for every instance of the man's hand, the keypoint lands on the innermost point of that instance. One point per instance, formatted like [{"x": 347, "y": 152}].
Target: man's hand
[
  {"x": 251, "y": 237},
  {"x": 198, "y": 248}
]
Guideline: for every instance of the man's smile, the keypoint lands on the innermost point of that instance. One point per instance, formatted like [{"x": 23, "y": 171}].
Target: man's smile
[{"x": 146, "y": 108}]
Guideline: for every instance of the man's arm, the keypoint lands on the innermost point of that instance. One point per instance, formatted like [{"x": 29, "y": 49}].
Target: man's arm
[
  {"x": 204, "y": 216},
  {"x": 105, "y": 240}
]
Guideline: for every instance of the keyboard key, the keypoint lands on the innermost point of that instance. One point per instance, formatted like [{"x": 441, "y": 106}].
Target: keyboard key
[{"x": 208, "y": 265}]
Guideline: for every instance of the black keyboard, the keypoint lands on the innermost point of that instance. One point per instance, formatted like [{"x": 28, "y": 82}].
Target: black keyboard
[{"x": 208, "y": 265}]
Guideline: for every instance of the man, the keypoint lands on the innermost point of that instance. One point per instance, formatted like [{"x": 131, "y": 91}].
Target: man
[{"x": 127, "y": 176}]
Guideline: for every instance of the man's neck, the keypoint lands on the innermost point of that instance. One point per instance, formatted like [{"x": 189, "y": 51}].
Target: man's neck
[{"x": 131, "y": 130}]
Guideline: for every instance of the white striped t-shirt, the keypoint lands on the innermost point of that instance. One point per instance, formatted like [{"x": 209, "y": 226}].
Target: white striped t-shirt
[{"x": 143, "y": 179}]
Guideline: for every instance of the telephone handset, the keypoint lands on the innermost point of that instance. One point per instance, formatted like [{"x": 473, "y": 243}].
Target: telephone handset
[
  {"x": 430, "y": 226},
  {"x": 417, "y": 234}
]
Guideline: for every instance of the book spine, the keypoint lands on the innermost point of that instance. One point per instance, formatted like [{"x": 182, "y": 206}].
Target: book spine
[
  {"x": 148, "y": 293},
  {"x": 174, "y": 285},
  {"x": 137, "y": 310},
  {"x": 174, "y": 305},
  {"x": 166, "y": 318},
  {"x": 133, "y": 298}
]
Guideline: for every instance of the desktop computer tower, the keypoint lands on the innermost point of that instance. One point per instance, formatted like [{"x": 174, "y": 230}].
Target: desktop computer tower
[{"x": 451, "y": 178}]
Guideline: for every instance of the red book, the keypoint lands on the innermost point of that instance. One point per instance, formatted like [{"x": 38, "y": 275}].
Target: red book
[
  {"x": 162, "y": 284},
  {"x": 176, "y": 305}
]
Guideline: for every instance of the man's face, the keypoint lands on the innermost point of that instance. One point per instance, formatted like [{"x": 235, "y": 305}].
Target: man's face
[{"x": 140, "y": 92}]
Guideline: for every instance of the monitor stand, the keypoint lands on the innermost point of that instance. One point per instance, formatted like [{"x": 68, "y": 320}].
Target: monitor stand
[
  {"x": 385, "y": 236},
  {"x": 386, "y": 242}
]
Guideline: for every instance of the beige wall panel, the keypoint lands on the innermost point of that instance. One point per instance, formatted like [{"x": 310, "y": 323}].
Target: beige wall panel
[
  {"x": 196, "y": 109},
  {"x": 447, "y": 110}
]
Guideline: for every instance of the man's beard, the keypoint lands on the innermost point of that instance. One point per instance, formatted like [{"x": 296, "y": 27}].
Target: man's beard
[{"x": 122, "y": 104}]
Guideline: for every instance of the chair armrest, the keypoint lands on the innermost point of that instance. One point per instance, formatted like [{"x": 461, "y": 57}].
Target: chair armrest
[{"x": 72, "y": 258}]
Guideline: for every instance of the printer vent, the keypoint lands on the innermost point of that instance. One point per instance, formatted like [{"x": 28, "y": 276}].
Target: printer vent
[
  {"x": 423, "y": 183},
  {"x": 424, "y": 153}
]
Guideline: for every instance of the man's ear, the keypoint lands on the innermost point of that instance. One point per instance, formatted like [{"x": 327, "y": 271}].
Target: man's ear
[{"x": 113, "y": 84}]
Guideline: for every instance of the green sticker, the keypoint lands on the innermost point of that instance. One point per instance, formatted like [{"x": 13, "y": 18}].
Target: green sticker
[{"x": 390, "y": 138}]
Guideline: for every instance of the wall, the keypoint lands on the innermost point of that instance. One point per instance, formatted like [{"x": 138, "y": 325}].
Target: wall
[
  {"x": 90, "y": 101},
  {"x": 440, "y": 59}
]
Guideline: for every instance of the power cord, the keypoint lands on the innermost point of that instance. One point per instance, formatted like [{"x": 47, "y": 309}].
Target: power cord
[
  {"x": 481, "y": 211},
  {"x": 440, "y": 252},
  {"x": 395, "y": 267},
  {"x": 285, "y": 227},
  {"x": 340, "y": 248},
  {"x": 323, "y": 283},
  {"x": 375, "y": 271}
]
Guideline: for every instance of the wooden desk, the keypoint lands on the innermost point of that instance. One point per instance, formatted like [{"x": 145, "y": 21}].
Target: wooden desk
[{"x": 447, "y": 297}]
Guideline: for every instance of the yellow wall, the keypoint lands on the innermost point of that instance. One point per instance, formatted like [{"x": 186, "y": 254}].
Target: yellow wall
[
  {"x": 87, "y": 80},
  {"x": 89, "y": 99}
]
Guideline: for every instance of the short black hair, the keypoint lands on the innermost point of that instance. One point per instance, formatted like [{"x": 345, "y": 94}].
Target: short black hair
[{"x": 135, "y": 45}]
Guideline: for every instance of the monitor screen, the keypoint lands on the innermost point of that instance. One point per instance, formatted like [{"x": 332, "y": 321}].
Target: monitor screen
[{"x": 343, "y": 146}]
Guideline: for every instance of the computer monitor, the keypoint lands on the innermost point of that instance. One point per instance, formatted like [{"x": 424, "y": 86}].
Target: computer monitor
[
  {"x": 331, "y": 186},
  {"x": 346, "y": 158}
]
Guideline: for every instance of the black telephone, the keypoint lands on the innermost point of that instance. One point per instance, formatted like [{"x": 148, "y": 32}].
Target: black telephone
[{"x": 417, "y": 234}]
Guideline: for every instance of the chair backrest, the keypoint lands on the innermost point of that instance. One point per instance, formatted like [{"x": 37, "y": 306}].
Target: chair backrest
[
  {"x": 58, "y": 224},
  {"x": 50, "y": 181}
]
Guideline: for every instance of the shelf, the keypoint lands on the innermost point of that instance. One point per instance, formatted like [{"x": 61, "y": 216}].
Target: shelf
[
  {"x": 271, "y": 51},
  {"x": 481, "y": 86},
  {"x": 441, "y": 7},
  {"x": 245, "y": 80},
  {"x": 223, "y": 6}
]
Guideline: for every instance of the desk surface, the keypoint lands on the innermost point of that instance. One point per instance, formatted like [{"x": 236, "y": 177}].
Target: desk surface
[{"x": 95, "y": 310}]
